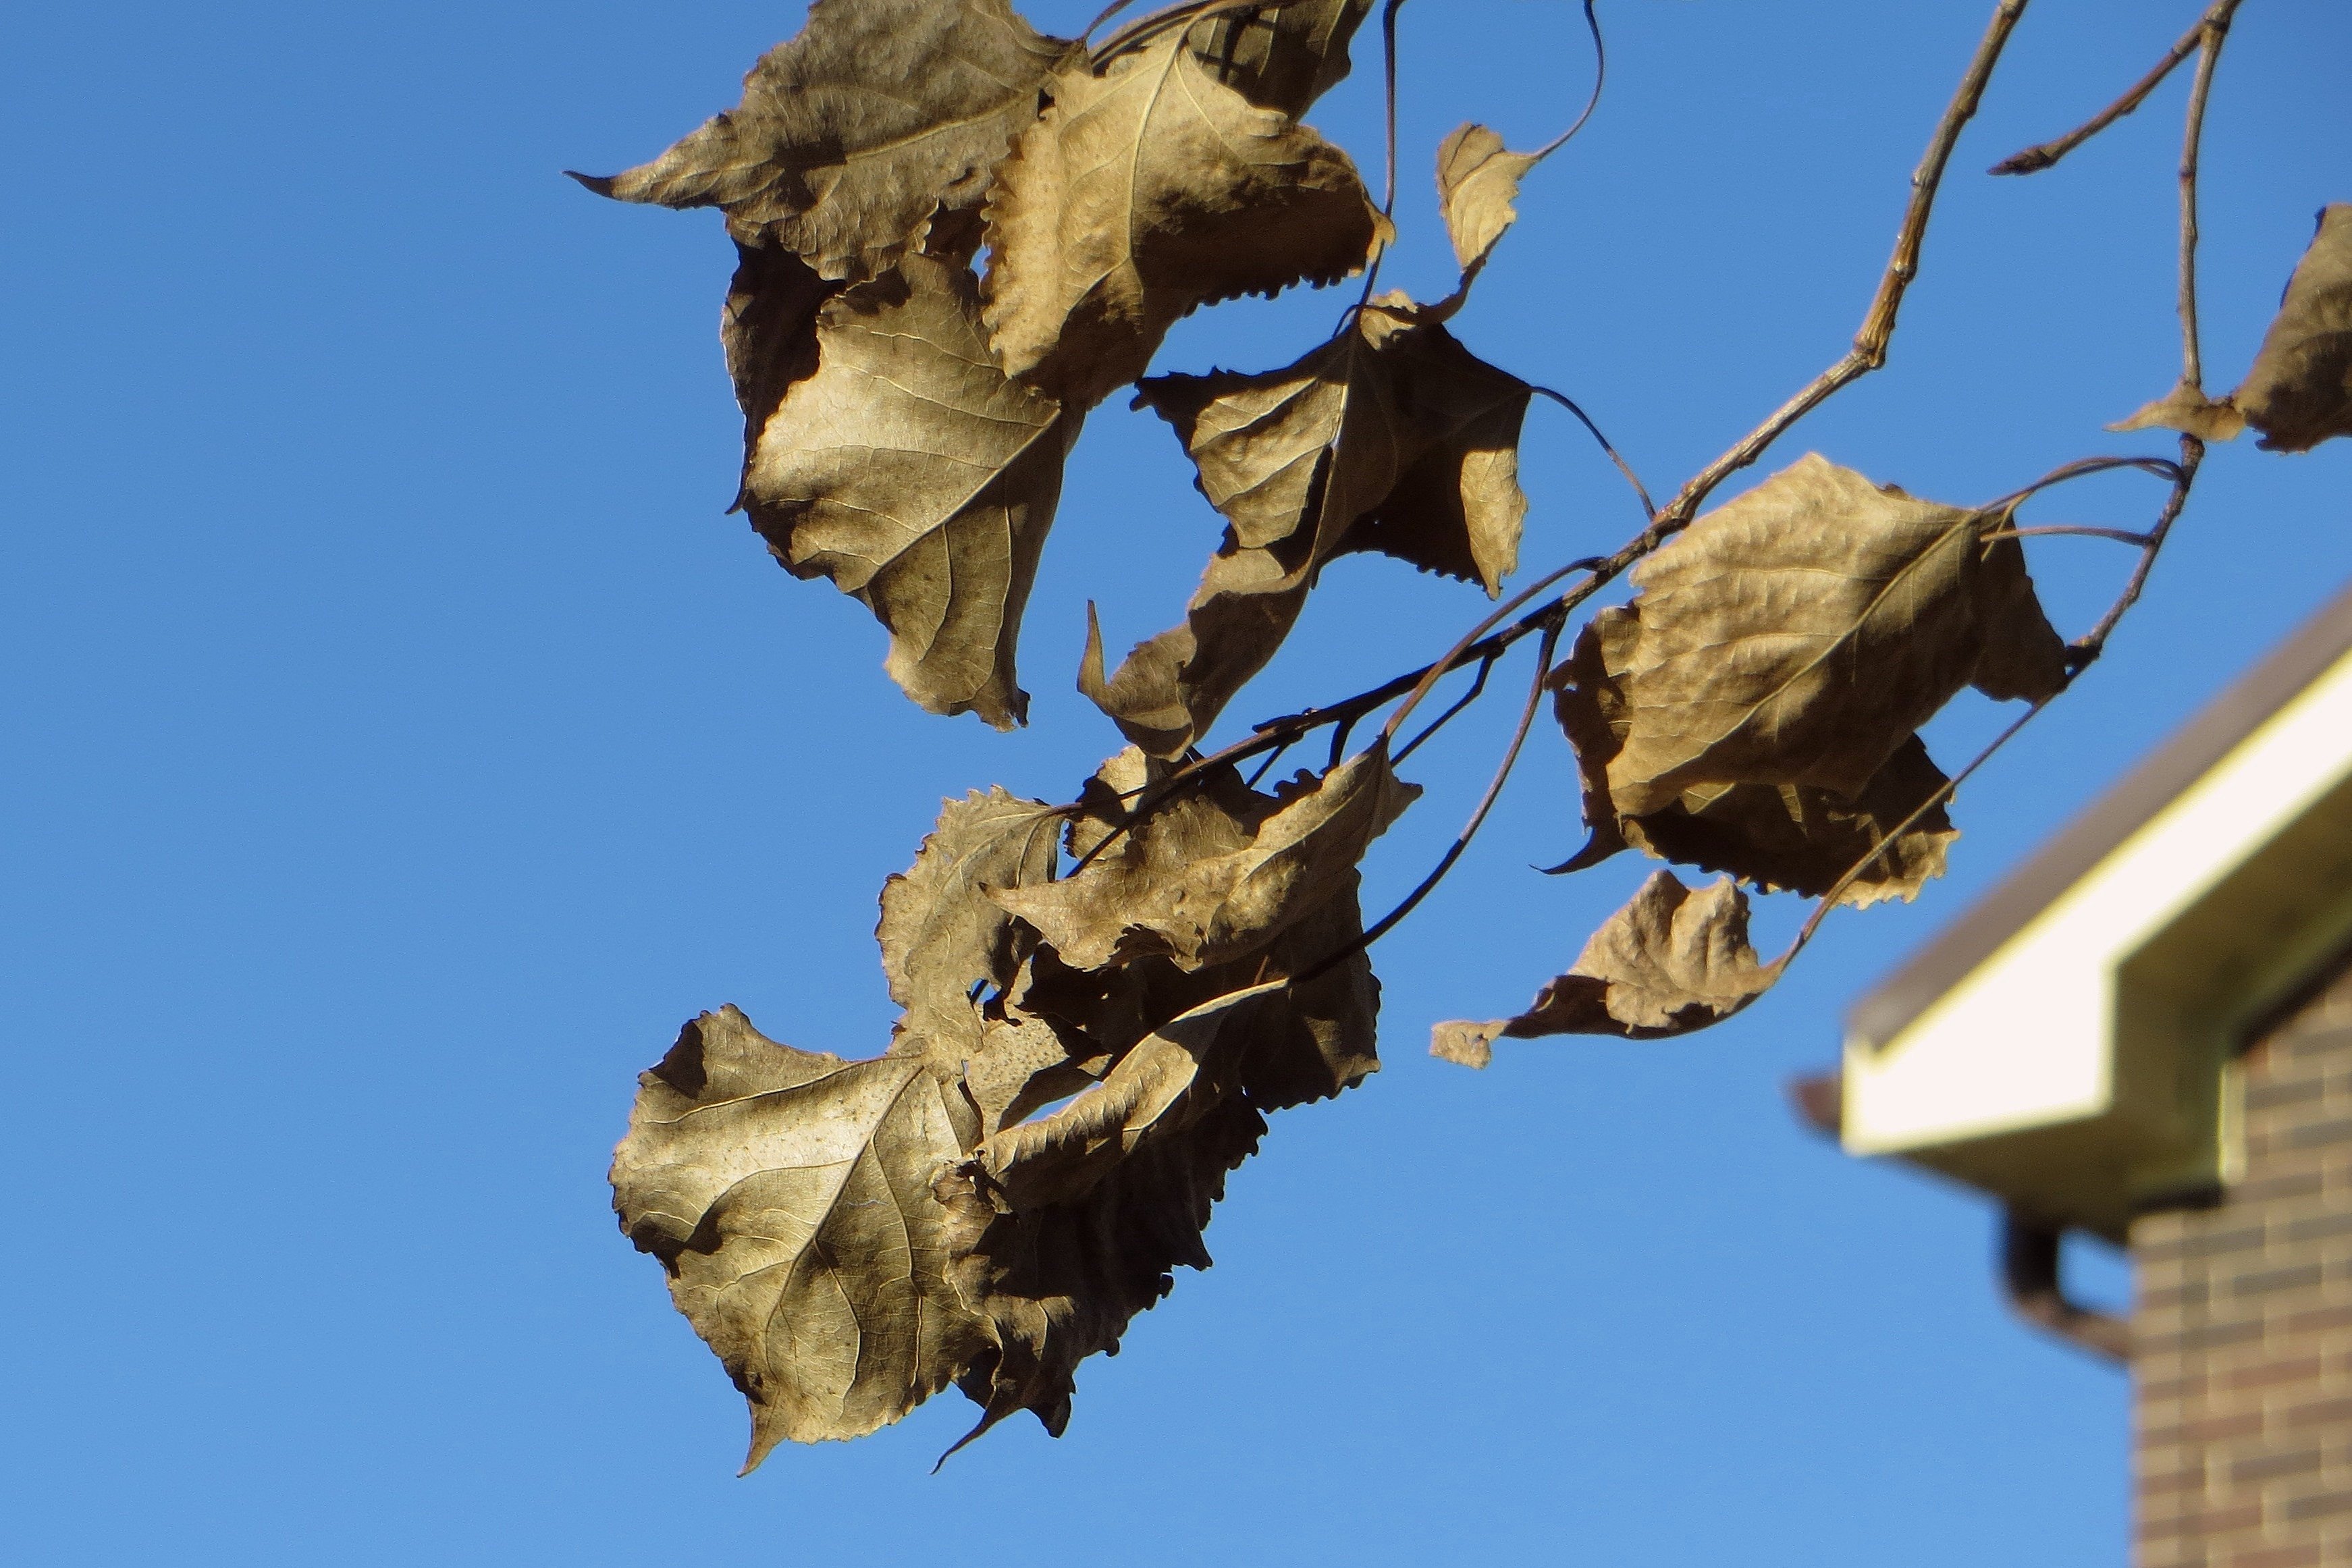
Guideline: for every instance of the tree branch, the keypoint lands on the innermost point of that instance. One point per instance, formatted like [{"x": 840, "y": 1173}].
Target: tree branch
[
  {"x": 1869, "y": 351},
  {"x": 2035, "y": 158}
]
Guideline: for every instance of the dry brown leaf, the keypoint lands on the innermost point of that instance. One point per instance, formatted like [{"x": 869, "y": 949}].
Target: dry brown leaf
[
  {"x": 912, "y": 473},
  {"x": 1801, "y": 632},
  {"x": 1161, "y": 1086},
  {"x": 940, "y": 933},
  {"x": 1477, "y": 180},
  {"x": 2188, "y": 411},
  {"x": 1059, "y": 1283},
  {"x": 1392, "y": 437},
  {"x": 1203, "y": 884},
  {"x": 1774, "y": 837},
  {"x": 2299, "y": 392},
  {"x": 1281, "y": 57},
  {"x": 788, "y": 1194},
  {"x": 853, "y": 135},
  {"x": 1669, "y": 962},
  {"x": 1142, "y": 193}
]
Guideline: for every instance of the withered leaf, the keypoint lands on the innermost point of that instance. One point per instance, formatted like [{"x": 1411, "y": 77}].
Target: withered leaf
[
  {"x": 2299, "y": 392},
  {"x": 1477, "y": 180},
  {"x": 912, "y": 473},
  {"x": 940, "y": 931},
  {"x": 788, "y": 1194},
  {"x": 1146, "y": 192},
  {"x": 1796, "y": 837},
  {"x": 769, "y": 332},
  {"x": 1161, "y": 1086},
  {"x": 1800, "y": 634},
  {"x": 2188, "y": 411},
  {"x": 1669, "y": 962},
  {"x": 1281, "y": 57},
  {"x": 1392, "y": 437},
  {"x": 1059, "y": 1283},
  {"x": 854, "y": 134},
  {"x": 1202, "y": 885}
]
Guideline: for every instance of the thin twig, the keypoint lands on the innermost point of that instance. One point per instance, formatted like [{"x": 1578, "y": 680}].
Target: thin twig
[
  {"x": 1600, "y": 76},
  {"x": 2086, "y": 650},
  {"x": 1388, "y": 922},
  {"x": 1641, "y": 491},
  {"x": 1453, "y": 658},
  {"x": 1387, "y": 200},
  {"x": 2035, "y": 158},
  {"x": 1869, "y": 351},
  {"x": 2051, "y": 530},
  {"x": 1951, "y": 785},
  {"x": 1478, "y": 689},
  {"x": 2216, "y": 32}
]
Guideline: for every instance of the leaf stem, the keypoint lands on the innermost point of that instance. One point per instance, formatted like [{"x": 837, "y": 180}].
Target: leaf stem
[
  {"x": 1388, "y": 922},
  {"x": 1641, "y": 491},
  {"x": 1600, "y": 77}
]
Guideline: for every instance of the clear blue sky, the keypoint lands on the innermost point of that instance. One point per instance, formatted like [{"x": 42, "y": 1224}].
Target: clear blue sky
[{"x": 402, "y": 743}]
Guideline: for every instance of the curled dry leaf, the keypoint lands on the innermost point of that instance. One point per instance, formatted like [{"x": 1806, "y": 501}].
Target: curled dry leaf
[
  {"x": 1670, "y": 962},
  {"x": 1281, "y": 57},
  {"x": 1202, "y": 883},
  {"x": 912, "y": 472},
  {"x": 1477, "y": 180},
  {"x": 2188, "y": 411},
  {"x": 1392, "y": 437},
  {"x": 2299, "y": 392},
  {"x": 1143, "y": 192},
  {"x": 788, "y": 1194},
  {"x": 1799, "y": 838},
  {"x": 852, "y": 137},
  {"x": 1801, "y": 632},
  {"x": 940, "y": 933}
]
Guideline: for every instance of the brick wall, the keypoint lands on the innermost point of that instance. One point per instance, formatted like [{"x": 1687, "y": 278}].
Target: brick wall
[{"x": 2243, "y": 1328}]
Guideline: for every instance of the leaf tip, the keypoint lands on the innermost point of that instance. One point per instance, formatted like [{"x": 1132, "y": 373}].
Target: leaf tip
[
  {"x": 1465, "y": 1043},
  {"x": 600, "y": 184}
]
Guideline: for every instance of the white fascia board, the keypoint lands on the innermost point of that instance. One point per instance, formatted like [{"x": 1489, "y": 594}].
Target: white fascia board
[{"x": 2025, "y": 1039}]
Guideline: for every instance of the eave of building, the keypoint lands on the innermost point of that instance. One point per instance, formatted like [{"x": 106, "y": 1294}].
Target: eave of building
[{"x": 2037, "y": 1048}]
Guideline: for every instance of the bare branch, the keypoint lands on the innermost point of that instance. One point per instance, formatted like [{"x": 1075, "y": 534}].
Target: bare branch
[
  {"x": 2035, "y": 158},
  {"x": 1869, "y": 351}
]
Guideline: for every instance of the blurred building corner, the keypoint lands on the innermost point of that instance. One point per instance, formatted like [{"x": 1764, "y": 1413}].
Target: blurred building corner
[{"x": 2145, "y": 1034}]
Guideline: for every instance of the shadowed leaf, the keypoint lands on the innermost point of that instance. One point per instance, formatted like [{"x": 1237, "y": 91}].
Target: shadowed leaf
[
  {"x": 788, "y": 1194},
  {"x": 1202, "y": 883},
  {"x": 853, "y": 135},
  {"x": 912, "y": 473},
  {"x": 2299, "y": 392},
  {"x": 1669, "y": 962},
  {"x": 1392, "y": 437},
  {"x": 1281, "y": 57},
  {"x": 1799, "y": 838},
  {"x": 1142, "y": 193}
]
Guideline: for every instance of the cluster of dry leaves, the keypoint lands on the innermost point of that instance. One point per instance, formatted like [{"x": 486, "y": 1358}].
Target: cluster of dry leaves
[{"x": 1086, "y": 1049}]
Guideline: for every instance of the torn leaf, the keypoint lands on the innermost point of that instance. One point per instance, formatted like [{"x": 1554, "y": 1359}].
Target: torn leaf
[
  {"x": 788, "y": 1194},
  {"x": 851, "y": 136},
  {"x": 1391, "y": 438},
  {"x": 1670, "y": 962},
  {"x": 1142, "y": 193}
]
